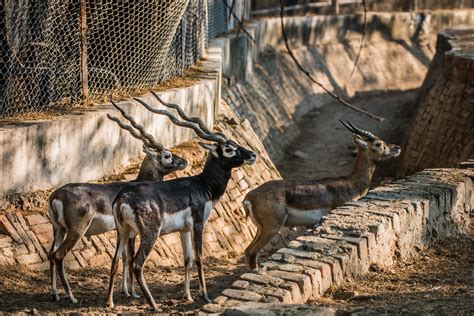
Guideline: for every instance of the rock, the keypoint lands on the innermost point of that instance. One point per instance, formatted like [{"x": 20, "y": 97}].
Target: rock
[
  {"x": 232, "y": 122},
  {"x": 345, "y": 295},
  {"x": 242, "y": 295}
]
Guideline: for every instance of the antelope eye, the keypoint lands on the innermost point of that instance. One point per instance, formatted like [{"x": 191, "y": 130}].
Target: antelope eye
[
  {"x": 167, "y": 157},
  {"x": 378, "y": 145},
  {"x": 227, "y": 150}
]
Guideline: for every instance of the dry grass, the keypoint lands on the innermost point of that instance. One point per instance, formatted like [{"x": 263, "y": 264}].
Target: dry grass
[{"x": 438, "y": 281}]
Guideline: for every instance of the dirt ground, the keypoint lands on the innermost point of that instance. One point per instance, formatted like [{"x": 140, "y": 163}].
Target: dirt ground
[
  {"x": 439, "y": 281},
  {"x": 28, "y": 291}
]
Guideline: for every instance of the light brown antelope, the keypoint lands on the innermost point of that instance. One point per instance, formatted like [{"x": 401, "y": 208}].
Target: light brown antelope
[
  {"x": 85, "y": 209},
  {"x": 293, "y": 203},
  {"x": 151, "y": 209}
]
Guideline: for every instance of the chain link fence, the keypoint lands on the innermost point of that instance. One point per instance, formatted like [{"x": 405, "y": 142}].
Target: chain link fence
[{"x": 57, "y": 53}]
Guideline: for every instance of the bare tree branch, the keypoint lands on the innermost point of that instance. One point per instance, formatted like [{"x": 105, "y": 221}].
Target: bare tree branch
[
  {"x": 241, "y": 24},
  {"x": 231, "y": 9},
  {"x": 364, "y": 33},
  {"x": 242, "y": 17},
  {"x": 306, "y": 72}
]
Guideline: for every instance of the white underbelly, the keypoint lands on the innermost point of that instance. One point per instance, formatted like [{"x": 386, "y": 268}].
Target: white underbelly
[
  {"x": 179, "y": 221},
  {"x": 297, "y": 217},
  {"x": 101, "y": 224}
]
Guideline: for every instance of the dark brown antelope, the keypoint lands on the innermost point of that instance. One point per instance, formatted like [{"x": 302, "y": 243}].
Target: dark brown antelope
[
  {"x": 293, "y": 203},
  {"x": 85, "y": 209},
  {"x": 182, "y": 205}
]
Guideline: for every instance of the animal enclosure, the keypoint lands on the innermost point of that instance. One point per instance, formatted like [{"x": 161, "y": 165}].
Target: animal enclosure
[
  {"x": 370, "y": 250},
  {"x": 57, "y": 54}
]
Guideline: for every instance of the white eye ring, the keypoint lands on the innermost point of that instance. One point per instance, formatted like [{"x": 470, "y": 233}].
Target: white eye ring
[{"x": 229, "y": 153}]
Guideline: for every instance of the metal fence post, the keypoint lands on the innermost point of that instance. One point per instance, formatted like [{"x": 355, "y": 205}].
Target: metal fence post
[
  {"x": 84, "y": 72},
  {"x": 335, "y": 6}
]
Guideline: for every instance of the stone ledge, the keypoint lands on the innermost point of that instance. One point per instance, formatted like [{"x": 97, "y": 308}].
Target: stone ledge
[{"x": 390, "y": 223}]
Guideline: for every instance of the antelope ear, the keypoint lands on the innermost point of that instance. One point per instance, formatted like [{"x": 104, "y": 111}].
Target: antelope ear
[
  {"x": 360, "y": 141},
  {"x": 211, "y": 147},
  {"x": 150, "y": 151}
]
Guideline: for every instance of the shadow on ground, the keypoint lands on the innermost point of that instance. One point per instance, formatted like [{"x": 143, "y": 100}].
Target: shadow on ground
[{"x": 28, "y": 291}]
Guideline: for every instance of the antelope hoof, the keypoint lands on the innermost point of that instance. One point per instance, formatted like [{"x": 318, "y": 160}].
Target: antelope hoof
[
  {"x": 155, "y": 309},
  {"x": 189, "y": 298},
  {"x": 135, "y": 295},
  {"x": 110, "y": 304},
  {"x": 55, "y": 297},
  {"x": 207, "y": 299},
  {"x": 126, "y": 294},
  {"x": 73, "y": 300}
]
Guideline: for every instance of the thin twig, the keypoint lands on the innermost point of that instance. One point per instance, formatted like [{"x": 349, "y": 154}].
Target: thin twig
[
  {"x": 241, "y": 24},
  {"x": 356, "y": 61},
  {"x": 306, "y": 72}
]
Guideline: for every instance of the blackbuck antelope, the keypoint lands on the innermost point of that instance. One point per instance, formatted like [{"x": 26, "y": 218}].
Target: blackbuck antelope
[
  {"x": 85, "y": 209},
  {"x": 293, "y": 203},
  {"x": 180, "y": 205}
]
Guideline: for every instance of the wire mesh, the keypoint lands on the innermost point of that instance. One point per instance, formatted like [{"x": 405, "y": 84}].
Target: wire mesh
[
  {"x": 127, "y": 52},
  {"x": 40, "y": 54},
  {"x": 131, "y": 46}
]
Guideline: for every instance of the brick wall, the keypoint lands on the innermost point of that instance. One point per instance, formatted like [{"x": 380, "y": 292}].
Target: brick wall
[
  {"x": 390, "y": 223},
  {"x": 442, "y": 132},
  {"x": 25, "y": 239}
]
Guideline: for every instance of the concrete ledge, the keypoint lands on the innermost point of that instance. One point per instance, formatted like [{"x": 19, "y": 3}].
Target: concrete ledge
[
  {"x": 392, "y": 222},
  {"x": 323, "y": 29}
]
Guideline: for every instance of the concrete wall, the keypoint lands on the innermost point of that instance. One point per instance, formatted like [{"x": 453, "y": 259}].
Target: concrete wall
[
  {"x": 86, "y": 146},
  {"x": 442, "y": 132},
  {"x": 389, "y": 224}
]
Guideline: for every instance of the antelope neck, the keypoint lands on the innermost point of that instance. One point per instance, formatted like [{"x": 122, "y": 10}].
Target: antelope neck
[
  {"x": 362, "y": 172},
  {"x": 148, "y": 173},
  {"x": 215, "y": 176}
]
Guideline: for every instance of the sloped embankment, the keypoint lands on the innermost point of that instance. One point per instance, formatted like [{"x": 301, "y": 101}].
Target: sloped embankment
[{"x": 273, "y": 94}]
